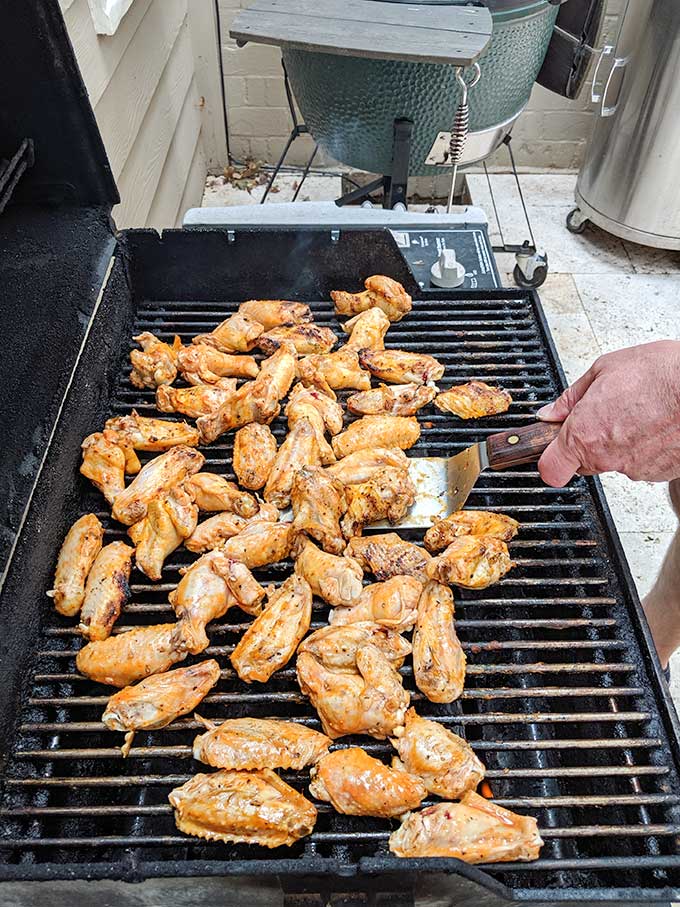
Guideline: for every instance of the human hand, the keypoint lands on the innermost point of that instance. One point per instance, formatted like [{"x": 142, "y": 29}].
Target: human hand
[{"x": 623, "y": 415}]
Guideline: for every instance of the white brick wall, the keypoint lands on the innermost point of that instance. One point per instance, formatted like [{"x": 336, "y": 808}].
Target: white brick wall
[{"x": 551, "y": 133}]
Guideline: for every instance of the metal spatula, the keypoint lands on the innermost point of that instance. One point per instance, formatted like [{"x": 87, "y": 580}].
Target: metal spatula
[{"x": 444, "y": 483}]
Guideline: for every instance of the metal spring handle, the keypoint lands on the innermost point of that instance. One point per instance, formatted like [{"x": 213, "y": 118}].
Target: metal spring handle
[{"x": 460, "y": 126}]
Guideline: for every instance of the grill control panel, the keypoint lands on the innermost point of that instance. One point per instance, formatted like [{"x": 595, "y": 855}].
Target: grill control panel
[{"x": 421, "y": 249}]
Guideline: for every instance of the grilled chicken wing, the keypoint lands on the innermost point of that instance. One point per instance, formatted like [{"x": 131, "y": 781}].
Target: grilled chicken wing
[
  {"x": 106, "y": 590},
  {"x": 274, "y": 312},
  {"x": 363, "y": 465},
  {"x": 77, "y": 554},
  {"x": 475, "y": 831},
  {"x": 245, "y": 744},
  {"x": 254, "y": 454},
  {"x": 471, "y": 561},
  {"x": 445, "y": 762},
  {"x": 169, "y": 520},
  {"x": 337, "y": 647},
  {"x": 388, "y": 495},
  {"x": 213, "y": 493},
  {"x": 157, "y": 477},
  {"x": 470, "y": 522},
  {"x": 242, "y": 808},
  {"x": 377, "y": 431},
  {"x": 203, "y": 364},
  {"x": 401, "y": 367},
  {"x": 438, "y": 658},
  {"x": 388, "y": 555},
  {"x": 236, "y": 334},
  {"x": 381, "y": 291},
  {"x": 260, "y": 544},
  {"x": 371, "y": 700},
  {"x": 392, "y": 604},
  {"x": 307, "y": 339},
  {"x": 155, "y": 702},
  {"x": 325, "y": 403},
  {"x": 271, "y": 640},
  {"x": 143, "y": 433},
  {"x": 299, "y": 449},
  {"x": 335, "y": 579},
  {"x": 302, "y": 405},
  {"x": 280, "y": 368},
  {"x": 400, "y": 400},
  {"x": 359, "y": 785},
  {"x": 318, "y": 502},
  {"x": 106, "y": 459},
  {"x": 195, "y": 401},
  {"x": 214, "y": 531},
  {"x": 155, "y": 363},
  {"x": 254, "y": 401},
  {"x": 334, "y": 371},
  {"x": 473, "y": 400},
  {"x": 367, "y": 330},
  {"x": 127, "y": 657}
]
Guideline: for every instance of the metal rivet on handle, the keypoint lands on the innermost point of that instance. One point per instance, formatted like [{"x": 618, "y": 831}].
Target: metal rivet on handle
[{"x": 513, "y": 439}]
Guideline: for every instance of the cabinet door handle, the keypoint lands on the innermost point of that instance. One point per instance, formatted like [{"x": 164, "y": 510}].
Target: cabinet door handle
[
  {"x": 606, "y": 51},
  {"x": 608, "y": 110}
]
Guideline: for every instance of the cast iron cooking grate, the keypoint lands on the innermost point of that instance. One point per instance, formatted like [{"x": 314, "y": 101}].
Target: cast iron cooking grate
[{"x": 558, "y": 702}]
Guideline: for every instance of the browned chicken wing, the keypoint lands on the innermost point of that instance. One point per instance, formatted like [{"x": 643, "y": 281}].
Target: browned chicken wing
[
  {"x": 143, "y": 433},
  {"x": 388, "y": 495},
  {"x": 245, "y": 744},
  {"x": 274, "y": 312},
  {"x": 325, "y": 403},
  {"x": 155, "y": 702},
  {"x": 106, "y": 590},
  {"x": 337, "y": 647},
  {"x": 300, "y": 449},
  {"x": 170, "y": 519},
  {"x": 271, "y": 640},
  {"x": 377, "y": 431},
  {"x": 399, "y": 400},
  {"x": 392, "y": 604},
  {"x": 363, "y": 465},
  {"x": 195, "y": 401},
  {"x": 155, "y": 363},
  {"x": 280, "y": 368},
  {"x": 335, "y": 579},
  {"x": 303, "y": 405},
  {"x": 127, "y": 657},
  {"x": 388, "y": 555},
  {"x": 157, "y": 477},
  {"x": 237, "y": 334},
  {"x": 203, "y": 364},
  {"x": 318, "y": 503},
  {"x": 438, "y": 658},
  {"x": 242, "y": 808},
  {"x": 213, "y": 532},
  {"x": 106, "y": 459},
  {"x": 367, "y": 330},
  {"x": 381, "y": 291},
  {"x": 254, "y": 454},
  {"x": 334, "y": 371},
  {"x": 254, "y": 401},
  {"x": 261, "y": 543},
  {"x": 79, "y": 549},
  {"x": 475, "y": 831},
  {"x": 401, "y": 367},
  {"x": 473, "y": 400},
  {"x": 213, "y": 493},
  {"x": 307, "y": 339},
  {"x": 359, "y": 785},
  {"x": 471, "y": 561},
  {"x": 445, "y": 762},
  {"x": 470, "y": 522}
]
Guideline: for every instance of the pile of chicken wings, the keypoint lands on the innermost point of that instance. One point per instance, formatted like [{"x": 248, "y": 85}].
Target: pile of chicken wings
[{"x": 334, "y": 479}]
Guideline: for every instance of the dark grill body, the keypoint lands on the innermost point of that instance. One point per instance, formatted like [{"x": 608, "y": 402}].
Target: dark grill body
[{"x": 563, "y": 700}]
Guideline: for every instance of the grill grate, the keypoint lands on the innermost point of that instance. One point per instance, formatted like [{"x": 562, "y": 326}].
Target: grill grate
[{"x": 558, "y": 702}]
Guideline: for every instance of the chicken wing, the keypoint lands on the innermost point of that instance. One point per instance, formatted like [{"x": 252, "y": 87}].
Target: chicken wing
[
  {"x": 470, "y": 522},
  {"x": 254, "y": 401},
  {"x": 371, "y": 700},
  {"x": 195, "y": 401},
  {"x": 127, "y": 657},
  {"x": 388, "y": 495},
  {"x": 474, "y": 830},
  {"x": 445, "y": 762},
  {"x": 203, "y": 364},
  {"x": 280, "y": 368},
  {"x": 106, "y": 590},
  {"x": 260, "y": 544},
  {"x": 236, "y": 334},
  {"x": 388, "y": 555},
  {"x": 334, "y": 371},
  {"x": 155, "y": 363},
  {"x": 337, "y": 580},
  {"x": 318, "y": 502},
  {"x": 337, "y": 647},
  {"x": 299, "y": 449},
  {"x": 106, "y": 459},
  {"x": 471, "y": 561},
  {"x": 170, "y": 519},
  {"x": 381, "y": 291},
  {"x": 271, "y": 640},
  {"x": 401, "y": 367},
  {"x": 359, "y": 785},
  {"x": 254, "y": 454},
  {"x": 143, "y": 433},
  {"x": 301, "y": 406},
  {"x": 213, "y": 493},
  {"x": 363, "y": 465},
  {"x": 367, "y": 330},
  {"x": 157, "y": 477},
  {"x": 307, "y": 339},
  {"x": 392, "y": 604},
  {"x": 155, "y": 702},
  {"x": 325, "y": 403},
  {"x": 473, "y": 400},
  {"x": 274, "y": 312},
  {"x": 214, "y": 531},
  {"x": 399, "y": 400},
  {"x": 77, "y": 554},
  {"x": 438, "y": 658},
  {"x": 242, "y": 808},
  {"x": 245, "y": 744},
  {"x": 377, "y": 431}
]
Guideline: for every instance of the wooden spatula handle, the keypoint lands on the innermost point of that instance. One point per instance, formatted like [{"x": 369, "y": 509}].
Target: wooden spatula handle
[{"x": 523, "y": 445}]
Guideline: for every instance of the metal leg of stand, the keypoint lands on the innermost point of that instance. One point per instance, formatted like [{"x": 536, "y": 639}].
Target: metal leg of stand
[{"x": 396, "y": 184}]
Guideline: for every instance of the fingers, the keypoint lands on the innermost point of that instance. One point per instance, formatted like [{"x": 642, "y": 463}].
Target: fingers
[
  {"x": 559, "y": 409},
  {"x": 558, "y": 463}
]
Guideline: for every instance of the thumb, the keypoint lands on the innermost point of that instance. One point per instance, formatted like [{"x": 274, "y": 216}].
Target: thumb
[
  {"x": 559, "y": 409},
  {"x": 558, "y": 463}
]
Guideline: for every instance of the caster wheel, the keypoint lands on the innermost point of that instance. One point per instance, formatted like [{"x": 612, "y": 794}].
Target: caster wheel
[
  {"x": 576, "y": 222},
  {"x": 540, "y": 274}
]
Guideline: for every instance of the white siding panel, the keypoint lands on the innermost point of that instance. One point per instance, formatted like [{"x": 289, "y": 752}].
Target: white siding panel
[{"x": 193, "y": 191}]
